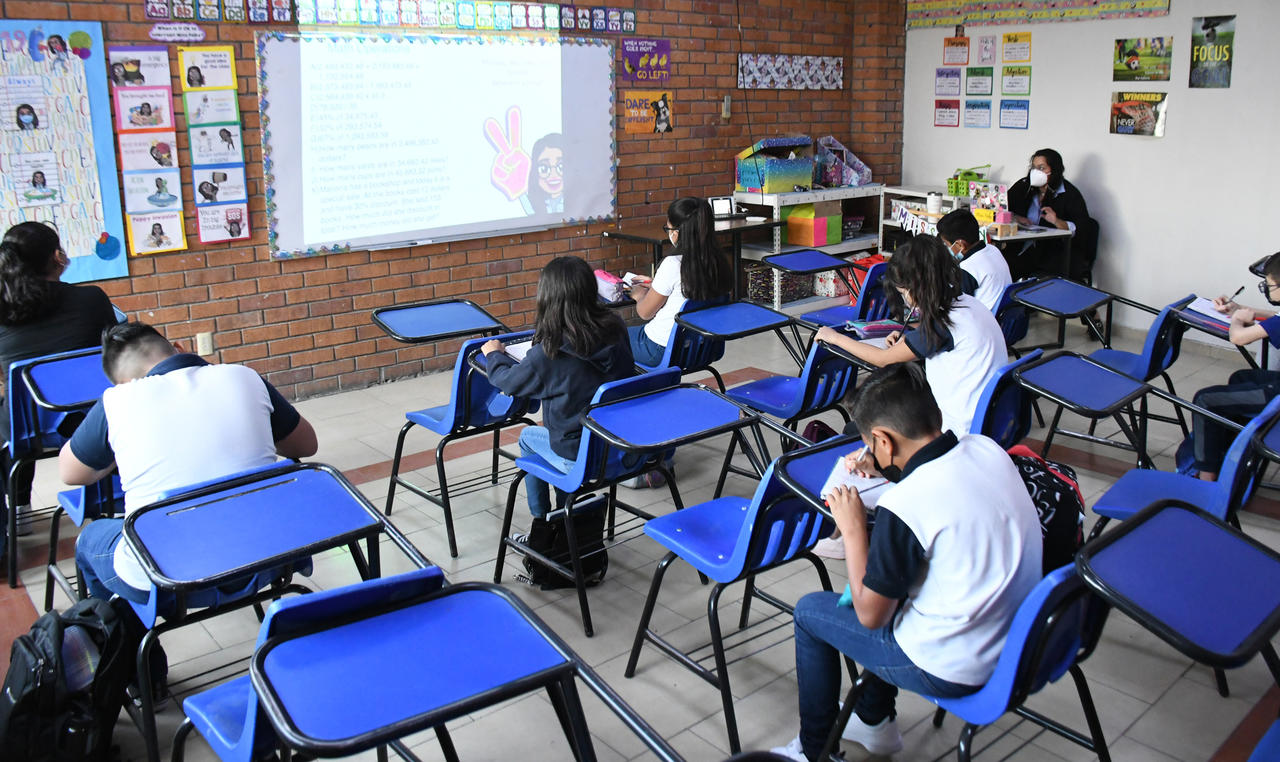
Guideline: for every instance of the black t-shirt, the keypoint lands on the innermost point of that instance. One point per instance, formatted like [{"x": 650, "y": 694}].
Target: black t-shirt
[{"x": 74, "y": 322}]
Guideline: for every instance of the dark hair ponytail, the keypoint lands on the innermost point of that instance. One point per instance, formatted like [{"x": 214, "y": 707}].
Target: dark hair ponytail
[
  {"x": 26, "y": 259},
  {"x": 570, "y": 311},
  {"x": 704, "y": 273},
  {"x": 923, "y": 268}
]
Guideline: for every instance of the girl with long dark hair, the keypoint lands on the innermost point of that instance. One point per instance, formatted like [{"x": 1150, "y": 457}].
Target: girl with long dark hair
[
  {"x": 697, "y": 271},
  {"x": 578, "y": 344}
]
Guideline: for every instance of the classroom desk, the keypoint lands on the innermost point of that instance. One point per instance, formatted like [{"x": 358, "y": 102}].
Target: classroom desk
[
  {"x": 1062, "y": 299},
  {"x": 878, "y": 342},
  {"x": 1040, "y": 233},
  {"x": 436, "y": 321},
  {"x": 812, "y": 262},
  {"x": 1219, "y": 329},
  {"x": 737, "y": 320},
  {"x": 804, "y": 471},
  {"x": 655, "y": 237},
  {"x": 226, "y": 532}
]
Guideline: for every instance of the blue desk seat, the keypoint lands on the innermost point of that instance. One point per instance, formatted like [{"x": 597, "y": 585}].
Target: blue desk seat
[
  {"x": 689, "y": 350},
  {"x": 102, "y": 499},
  {"x": 1061, "y": 299},
  {"x": 1159, "y": 351},
  {"x": 1268, "y": 748}
]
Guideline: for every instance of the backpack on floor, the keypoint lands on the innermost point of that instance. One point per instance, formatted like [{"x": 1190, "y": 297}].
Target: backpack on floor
[
  {"x": 66, "y": 685},
  {"x": 588, "y": 530},
  {"x": 1056, "y": 495}
]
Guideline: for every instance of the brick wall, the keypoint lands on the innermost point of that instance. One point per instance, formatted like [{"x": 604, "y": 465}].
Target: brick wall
[{"x": 305, "y": 323}]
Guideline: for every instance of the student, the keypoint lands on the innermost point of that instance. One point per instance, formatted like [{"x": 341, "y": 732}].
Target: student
[
  {"x": 696, "y": 271},
  {"x": 40, "y": 315},
  {"x": 1247, "y": 391},
  {"x": 578, "y": 344},
  {"x": 935, "y": 587},
  {"x": 957, "y": 337},
  {"x": 959, "y": 232}
]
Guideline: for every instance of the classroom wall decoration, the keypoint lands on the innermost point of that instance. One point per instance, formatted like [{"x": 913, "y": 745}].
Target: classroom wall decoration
[
  {"x": 217, "y": 148},
  {"x": 646, "y": 61},
  {"x": 221, "y": 11},
  {"x": 480, "y": 15},
  {"x": 1142, "y": 59},
  {"x": 57, "y": 163},
  {"x": 934, "y": 13},
  {"x": 977, "y": 113},
  {"x": 757, "y": 71},
  {"x": 1015, "y": 114},
  {"x": 1138, "y": 113},
  {"x": 1212, "y": 51},
  {"x": 647, "y": 112}
]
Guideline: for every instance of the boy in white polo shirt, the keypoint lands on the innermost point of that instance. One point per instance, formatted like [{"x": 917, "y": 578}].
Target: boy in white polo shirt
[
  {"x": 955, "y": 549},
  {"x": 959, "y": 233}
]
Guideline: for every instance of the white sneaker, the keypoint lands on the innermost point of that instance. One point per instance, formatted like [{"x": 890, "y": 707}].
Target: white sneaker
[
  {"x": 882, "y": 738},
  {"x": 830, "y": 547},
  {"x": 793, "y": 751}
]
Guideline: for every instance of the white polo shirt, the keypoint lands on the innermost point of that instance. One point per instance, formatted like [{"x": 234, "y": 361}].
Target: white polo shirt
[
  {"x": 971, "y": 352},
  {"x": 666, "y": 281},
  {"x": 987, "y": 266}
]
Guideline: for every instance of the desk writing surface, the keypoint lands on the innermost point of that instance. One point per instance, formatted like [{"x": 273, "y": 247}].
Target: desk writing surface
[
  {"x": 427, "y": 322},
  {"x": 204, "y": 536},
  {"x": 69, "y": 382},
  {"x": 1033, "y": 233},
  {"x": 1088, "y": 385},
  {"x": 412, "y": 660},
  {"x": 805, "y": 262},
  {"x": 653, "y": 419},
  {"x": 1059, "y": 296},
  {"x": 733, "y": 320}
]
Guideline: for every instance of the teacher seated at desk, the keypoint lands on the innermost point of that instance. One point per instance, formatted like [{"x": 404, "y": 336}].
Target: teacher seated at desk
[{"x": 1046, "y": 197}]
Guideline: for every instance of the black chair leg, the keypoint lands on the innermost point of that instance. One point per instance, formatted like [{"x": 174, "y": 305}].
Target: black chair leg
[
  {"x": 1098, "y": 526},
  {"x": 1090, "y": 714},
  {"x": 724, "y": 468},
  {"x": 964, "y": 749},
  {"x": 506, "y": 528},
  {"x": 444, "y": 497},
  {"x": 1177, "y": 409},
  {"x": 446, "y": 744},
  {"x": 575, "y": 562},
  {"x": 497, "y": 442},
  {"x": 842, "y": 719},
  {"x": 1220, "y": 678},
  {"x": 716, "y": 375},
  {"x": 747, "y": 595},
  {"x": 395, "y": 467},
  {"x": 939, "y": 715},
  {"x": 564, "y": 697},
  {"x": 722, "y": 668},
  {"x": 1053, "y": 429},
  {"x": 49, "y": 580},
  {"x": 180, "y": 740},
  {"x": 647, "y": 613}
]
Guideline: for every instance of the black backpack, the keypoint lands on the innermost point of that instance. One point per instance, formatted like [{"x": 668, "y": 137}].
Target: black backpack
[
  {"x": 588, "y": 530},
  {"x": 66, "y": 684},
  {"x": 1053, "y": 489}
]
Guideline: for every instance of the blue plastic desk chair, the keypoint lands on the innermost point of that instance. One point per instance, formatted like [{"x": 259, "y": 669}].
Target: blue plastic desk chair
[
  {"x": 475, "y": 407},
  {"x": 872, "y": 303},
  {"x": 38, "y": 431},
  {"x": 731, "y": 539},
  {"x": 102, "y": 499},
  {"x": 1049, "y": 637},
  {"x": 688, "y": 350},
  {"x": 597, "y": 466},
  {"x": 1159, "y": 351},
  {"x": 1012, "y": 316},
  {"x": 1004, "y": 409}
]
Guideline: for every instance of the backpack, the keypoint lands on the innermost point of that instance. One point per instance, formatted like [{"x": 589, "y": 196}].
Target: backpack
[
  {"x": 1053, "y": 489},
  {"x": 588, "y": 529},
  {"x": 66, "y": 684}
]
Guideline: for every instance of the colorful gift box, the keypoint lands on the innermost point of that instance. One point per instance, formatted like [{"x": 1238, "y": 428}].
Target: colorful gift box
[
  {"x": 813, "y": 224},
  {"x": 776, "y": 165}
]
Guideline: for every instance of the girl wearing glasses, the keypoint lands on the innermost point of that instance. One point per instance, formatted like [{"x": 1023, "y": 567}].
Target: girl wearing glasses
[
  {"x": 546, "y": 177},
  {"x": 1247, "y": 391}
]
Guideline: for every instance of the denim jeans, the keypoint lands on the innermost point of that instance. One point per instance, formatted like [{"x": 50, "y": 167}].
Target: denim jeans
[
  {"x": 823, "y": 632},
  {"x": 536, "y": 440},
  {"x": 645, "y": 350},
  {"x": 1244, "y": 395},
  {"x": 95, "y": 558}
]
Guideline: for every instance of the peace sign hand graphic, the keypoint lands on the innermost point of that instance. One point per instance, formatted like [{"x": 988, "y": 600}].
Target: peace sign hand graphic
[{"x": 510, "y": 170}]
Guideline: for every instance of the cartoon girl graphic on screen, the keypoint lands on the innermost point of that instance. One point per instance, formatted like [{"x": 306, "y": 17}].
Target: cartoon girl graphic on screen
[{"x": 546, "y": 177}]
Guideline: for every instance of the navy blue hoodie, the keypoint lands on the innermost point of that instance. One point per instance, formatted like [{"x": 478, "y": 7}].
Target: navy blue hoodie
[{"x": 565, "y": 383}]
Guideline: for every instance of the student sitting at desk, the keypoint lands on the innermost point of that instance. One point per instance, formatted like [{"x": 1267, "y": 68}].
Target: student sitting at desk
[
  {"x": 170, "y": 421},
  {"x": 1045, "y": 197},
  {"x": 957, "y": 337},
  {"x": 578, "y": 344},
  {"x": 934, "y": 589},
  {"x": 695, "y": 271},
  {"x": 40, "y": 315},
  {"x": 959, "y": 232},
  {"x": 1247, "y": 391}
]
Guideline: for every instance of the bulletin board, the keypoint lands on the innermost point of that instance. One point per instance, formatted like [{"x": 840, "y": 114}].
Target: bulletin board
[
  {"x": 934, "y": 13},
  {"x": 57, "y": 157}
]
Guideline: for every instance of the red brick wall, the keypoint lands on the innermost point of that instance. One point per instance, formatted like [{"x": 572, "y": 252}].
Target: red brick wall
[{"x": 305, "y": 323}]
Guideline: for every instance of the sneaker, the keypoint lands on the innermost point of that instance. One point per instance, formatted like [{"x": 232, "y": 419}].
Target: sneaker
[
  {"x": 24, "y": 520},
  {"x": 882, "y": 738},
  {"x": 647, "y": 480},
  {"x": 795, "y": 752},
  {"x": 830, "y": 547}
]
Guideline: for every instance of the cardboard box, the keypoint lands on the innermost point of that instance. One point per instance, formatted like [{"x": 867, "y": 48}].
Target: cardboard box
[
  {"x": 807, "y": 225},
  {"x": 775, "y": 165}
]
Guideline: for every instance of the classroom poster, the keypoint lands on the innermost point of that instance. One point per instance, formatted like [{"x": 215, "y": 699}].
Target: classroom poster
[
  {"x": 1138, "y": 113},
  {"x": 207, "y": 68},
  {"x": 144, "y": 108},
  {"x": 137, "y": 66},
  {"x": 1212, "y": 50},
  {"x": 1015, "y": 114},
  {"x": 762, "y": 71},
  {"x": 647, "y": 111},
  {"x": 946, "y": 113},
  {"x": 215, "y": 144},
  {"x": 955, "y": 51},
  {"x": 1016, "y": 47},
  {"x": 219, "y": 184},
  {"x": 147, "y": 150},
  {"x": 152, "y": 191},
  {"x": 1015, "y": 80},
  {"x": 156, "y": 232},
  {"x": 978, "y": 80},
  {"x": 987, "y": 49},
  {"x": 1142, "y": 59},
  {"x": 57, "y": 161},
  {"x": 646, "y": 60},
  {"x": 946, "y": 81},
  {"x": 977, "y": 113},
  {"x": 211, "y": 107}
]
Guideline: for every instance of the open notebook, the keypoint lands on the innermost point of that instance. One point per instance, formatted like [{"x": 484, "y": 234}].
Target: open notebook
[{"x": 518, "y": 350}]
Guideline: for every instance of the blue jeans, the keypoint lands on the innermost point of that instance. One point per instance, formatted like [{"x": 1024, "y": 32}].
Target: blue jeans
[
  {"x": 95, "y": 558},
  {"x": 645, "y": 350},
  {"x": 536, "y": 440},
  {"x": 823, "y": 632}
]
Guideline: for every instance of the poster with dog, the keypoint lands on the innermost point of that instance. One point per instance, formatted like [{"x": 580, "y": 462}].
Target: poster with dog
[{"x": 648, "y": 111}]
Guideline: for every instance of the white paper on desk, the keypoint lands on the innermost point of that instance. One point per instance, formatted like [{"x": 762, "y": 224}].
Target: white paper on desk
[
  {"x": 518, "y": 350},
  {"x": 869, "y": 488},
  {"x": 879, "y": 342},
  {"x": 1205, "y": 307},
  {"x": 631, "y": 279}
]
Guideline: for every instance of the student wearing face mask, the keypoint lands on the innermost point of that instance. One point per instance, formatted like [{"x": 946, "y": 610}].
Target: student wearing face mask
[
  {"x": 958, "y": 231},
  {"x": 1046, "y": 197},
  {"x": 1247, "y": 391}
]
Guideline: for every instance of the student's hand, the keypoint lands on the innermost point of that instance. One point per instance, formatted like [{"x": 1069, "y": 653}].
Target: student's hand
[
  {"x": 859, "y": 462},
  {"x": 1244, "y": 316},
  {"x": 1048, "y": 215},
  {"x": 491, "y": 346},
  {"x": 848, "y": 511},
  {"x": 892, "y": 339},
  {"x": 827, "y": 334},
  {"x": 1021, "y": 220},
  {"x": 1225, "y": 304},
  {"x": 639, "y": 289}
]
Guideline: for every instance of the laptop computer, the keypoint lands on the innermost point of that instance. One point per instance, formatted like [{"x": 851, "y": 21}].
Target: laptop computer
[{"x": 722, "y": 208}]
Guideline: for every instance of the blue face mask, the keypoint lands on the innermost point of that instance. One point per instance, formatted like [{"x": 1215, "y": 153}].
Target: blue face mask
[{"x": 26, "y": 118}]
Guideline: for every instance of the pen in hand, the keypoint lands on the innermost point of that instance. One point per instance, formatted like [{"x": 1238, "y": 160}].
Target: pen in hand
[{"x": 1238, "y": 292}]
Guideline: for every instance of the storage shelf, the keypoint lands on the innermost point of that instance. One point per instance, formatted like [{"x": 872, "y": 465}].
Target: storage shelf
[{"x": 757, "y": 251}]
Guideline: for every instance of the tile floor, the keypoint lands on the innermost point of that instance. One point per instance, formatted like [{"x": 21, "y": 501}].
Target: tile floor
[{"x": 1154, "y": 703}]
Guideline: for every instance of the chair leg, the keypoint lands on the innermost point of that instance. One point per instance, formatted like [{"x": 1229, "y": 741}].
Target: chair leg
[
  {"x": 446, "y": 744},
  {"x": 842, "y": 719},
  {"x": 1090, "y": 714},
  {"x": 716, "y": 375},
  {"x": 1220, "y": 678},
  {"x": 964, "y": 749},
  {"x": 1177, "y": 409},
  {"x": 11, "y": 509},
  {"x": 939, "y": 715},
  {"x": 506, "y": 528},
  {"x": 1035, "y": 406},
  {"x": 722, "y": 668},
  {"x": 647, "y": 613},
  {"x": 444, "y": 498},
  {"x": 53, "y": 559},
  {"x": 1098, "y": 526},
  {"x": 1053, "y": 429},
  {"x": 180, "y": 739},
  {"x": 147, "y": 714},
  {"x": 747, "y": 595},
  {"x": 395, "y": 466},
  {"x": 493, "y": 471},
  {"x": 575, "y": 562},
  {"x": 724, "y": 468}
]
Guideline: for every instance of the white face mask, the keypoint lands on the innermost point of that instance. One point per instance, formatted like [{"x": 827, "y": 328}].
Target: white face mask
[{"x": 1038, "y": 178}]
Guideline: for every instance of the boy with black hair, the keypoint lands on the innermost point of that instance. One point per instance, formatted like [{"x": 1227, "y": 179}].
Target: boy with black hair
[
  {"x": 958, "y": 231},
  {"x": 955, "y": 549}
]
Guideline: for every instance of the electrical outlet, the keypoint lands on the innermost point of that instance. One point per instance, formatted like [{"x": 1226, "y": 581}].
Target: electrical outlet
[{"x": 204, "y": 344}]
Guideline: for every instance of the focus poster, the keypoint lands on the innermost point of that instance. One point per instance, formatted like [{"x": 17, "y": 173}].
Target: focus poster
[{"x": 1213, "y": 48}]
